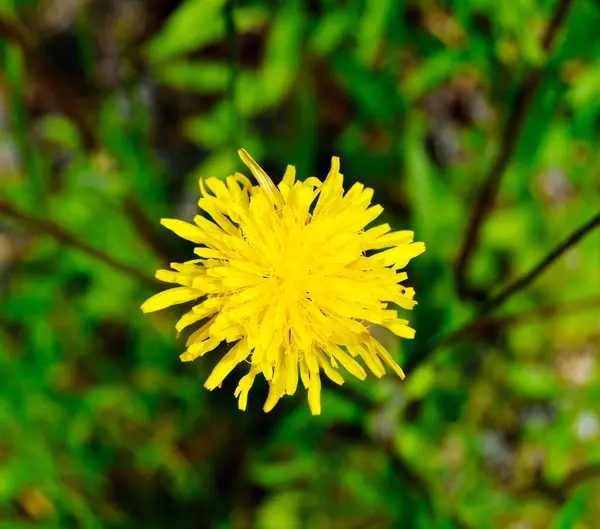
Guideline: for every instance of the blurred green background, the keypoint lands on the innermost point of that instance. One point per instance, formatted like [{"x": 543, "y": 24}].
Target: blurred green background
[{"x": 110, "y": 110}]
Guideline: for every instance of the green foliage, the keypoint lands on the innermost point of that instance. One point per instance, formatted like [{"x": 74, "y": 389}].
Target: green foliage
[{"x": 100, "y": 423}]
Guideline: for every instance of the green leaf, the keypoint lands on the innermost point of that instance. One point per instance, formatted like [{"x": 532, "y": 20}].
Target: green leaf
[
  {"x": 280, "y": 511},
  {"x": 256, "y": 92},
  {"x": 280, "y": 474},
  {"x": 430, "y": 74},
  {"x": 211, "y": 130},
  {"x": 375, "y": 94},
  {"x": 60, "y": 131},
  {"x": 195, "y": 24},
  {"x": 532, "y": 381},
  {"x": 419, "y": 177},
  {"x": 205, "y": 77},
  {"x": 569, "y": 514},
  {"x": 331, "y": 30},
  {"x": 373, "y": 24},
  {"x": 586, "y": 89},
  {"x": 418, "y": 384}
]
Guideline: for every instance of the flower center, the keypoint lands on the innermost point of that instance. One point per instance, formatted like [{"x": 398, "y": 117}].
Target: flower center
[{"x": 293, "y": 270}]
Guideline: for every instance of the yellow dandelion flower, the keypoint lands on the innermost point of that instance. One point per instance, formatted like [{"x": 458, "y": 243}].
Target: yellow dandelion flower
[{"x": 291, "y": 275}]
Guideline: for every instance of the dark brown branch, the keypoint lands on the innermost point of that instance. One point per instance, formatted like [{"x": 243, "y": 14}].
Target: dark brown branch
[
  {"x": 577, "y": 477},
  {"x": 484, "y": 202},
  {"x": 478, "y": 324},
  {"x": 543, "y": 312},
  {"x": 528, "y": 278},
  {"x": 60, "y": 93},
  {"x": 48, "y": 227},
  {"x": 504, "y": 295},
  {"x": 560, "y": 493}
]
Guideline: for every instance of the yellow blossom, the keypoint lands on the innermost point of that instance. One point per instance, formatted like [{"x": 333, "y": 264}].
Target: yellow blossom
[{"x": 290, "y": 274}]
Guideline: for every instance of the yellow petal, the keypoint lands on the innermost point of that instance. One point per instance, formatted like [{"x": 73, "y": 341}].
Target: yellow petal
[
  {"x": 218, "y": 188},
  {"x": 400, "y": 255},
  {"x": 267, "y": 370},
  {"x": 272, "y": 399},
  {"x": 400, "y": 328},
  {"x": 314, "y": 393},
  {"x": 238, "y": 354},
  {"x": 331, "y": 191},
  {"x": 304, "y": 376},
  {"x": 331, "y": 373},
  {"x": 410, "y": 251},
  {"x": 208, "y": 253},
  {"x": 244, "y": 386},
  {"x": 167, "y": 298},
  {"x": 279, "y": 377},
  {"x": 198, "y": 349},
  {"x": 375, "y": 233},
  {"x": 387, "y": 357},
  {"x": 370, "y": 358},
  {"x": 188, "y": 319},
  {"x": 351, "y": 365},
  {"x": 263, "y": 179},
  {"x": 311, "y": 361},
  {"x": 291, "y": 361},
  {"x": 289, "y": 177},
  {"x": 225, "y": 329},
  {"x": 200, "y": 334},
  {"x": 210, "y": 206},
  {"x": 206, "y": 226},
  {"x": 185, "y": 230},
  {"x": 313, "y": 181},
  {"x": 168, "y": 276},
  {"x": 368, "y": 216},
  {"x": 405, "y": 300},
  {"x": 392, "y": 239},
  {"x": 243, "y": 179}
]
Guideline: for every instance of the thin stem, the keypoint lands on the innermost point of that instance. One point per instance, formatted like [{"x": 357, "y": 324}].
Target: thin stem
[
  {"x": 528, "y": 278},
  {"x": 577, "y": 477},
  {"x": 60, "y": 93},
  {"x": 48, "y": 227},
  {"x": 507, "y": 293},
  {"x": 560, "y": 493},
  {"x": 514, "y": 126},
  {"x": 538, "y": 313}
]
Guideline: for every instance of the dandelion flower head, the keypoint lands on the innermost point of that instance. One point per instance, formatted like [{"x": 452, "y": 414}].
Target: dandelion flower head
[{"x": 292, "y": 275}]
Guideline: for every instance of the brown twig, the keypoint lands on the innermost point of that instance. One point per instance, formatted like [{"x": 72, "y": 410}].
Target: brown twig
[
  {"x": 536, "y": 271},
  {"x": 481, "y": 325},
  {"x": 484, "y": 202},
  {"x": 560, "y": 493},
  {"x": 476, "y": 325},
  {"x": 60, "y": 93},
  {"x": 65, "y": 237},
  {"x": 505, "y": 294},
  {"x": 577, "y": 477}
]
